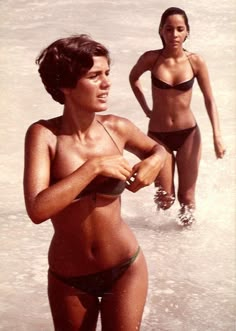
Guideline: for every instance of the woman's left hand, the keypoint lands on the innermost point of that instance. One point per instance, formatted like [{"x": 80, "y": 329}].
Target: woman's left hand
[
  {"x": 144, "y": 173},
  {"x": 219, "y": 147}
]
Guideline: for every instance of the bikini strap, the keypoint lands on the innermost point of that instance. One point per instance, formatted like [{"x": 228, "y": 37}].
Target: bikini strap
[
  {"x": 190, "y": 62},
  {"x": 158, "y": 56},
  {"x": 110, "y": 136}
]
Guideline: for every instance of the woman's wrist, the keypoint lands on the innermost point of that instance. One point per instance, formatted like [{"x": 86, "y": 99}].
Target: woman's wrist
[
  {"x": 148, "y": 113},
  {"x": 159, "y": 152}
]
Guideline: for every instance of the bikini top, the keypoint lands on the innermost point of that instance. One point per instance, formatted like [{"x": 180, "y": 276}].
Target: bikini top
[
  {"x": 184, "y": 86},
  {"x": 104, "y": 185}
]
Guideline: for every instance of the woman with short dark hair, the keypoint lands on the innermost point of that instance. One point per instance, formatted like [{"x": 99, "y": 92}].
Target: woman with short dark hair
[{"x": 74, "y": 175}]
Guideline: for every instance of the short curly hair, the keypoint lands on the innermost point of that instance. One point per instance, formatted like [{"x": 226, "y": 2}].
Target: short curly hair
[{"x": 62, "y": 63}]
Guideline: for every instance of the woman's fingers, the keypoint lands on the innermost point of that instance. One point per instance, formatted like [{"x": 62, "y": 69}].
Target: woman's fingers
[{"x": 115, "y": 166}]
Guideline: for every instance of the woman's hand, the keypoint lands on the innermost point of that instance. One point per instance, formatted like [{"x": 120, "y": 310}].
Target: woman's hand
[
  {"x": 145, "y": 172},
  {"x": 219, "y": 147},
  {"x": 148, "y": 113},
  {"x": 115, "y": 166}
]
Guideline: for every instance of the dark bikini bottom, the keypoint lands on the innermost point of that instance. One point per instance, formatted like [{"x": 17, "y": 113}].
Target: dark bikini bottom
[
  {"x": 100, "y": 283},
  {"x": 173, "y": 140}
]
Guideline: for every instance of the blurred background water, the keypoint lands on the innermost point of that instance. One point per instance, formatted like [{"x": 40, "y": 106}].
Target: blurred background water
[{"x": 191, "y": 272}]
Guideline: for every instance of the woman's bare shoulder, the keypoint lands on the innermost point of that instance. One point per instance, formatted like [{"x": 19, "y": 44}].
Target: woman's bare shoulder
[
  {"x": 150, "y": 56},
  {"x": 51, "y": 125},
  {"x": 197, "y": 62},
  {"x": 44, "y": 130},
  {"x": 152, "y": 53},
  {"x": 197, "y": 59},
  {"x": 113, "y": 121},
  {"x": 121, "y": 126}
]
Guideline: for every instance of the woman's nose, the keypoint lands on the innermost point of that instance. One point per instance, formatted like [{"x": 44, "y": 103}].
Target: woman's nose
[
  {"x": 106, "y": 82},
  {"x": 175, "y": 33}
]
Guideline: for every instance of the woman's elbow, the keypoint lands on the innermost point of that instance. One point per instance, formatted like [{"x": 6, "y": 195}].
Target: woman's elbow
[
  {"x": 132, "y": 78},
  {"x": 36, "y": 216}
]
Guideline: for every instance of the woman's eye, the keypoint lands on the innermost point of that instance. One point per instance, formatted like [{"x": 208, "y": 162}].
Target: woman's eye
[{"x": 93, "y": 76}]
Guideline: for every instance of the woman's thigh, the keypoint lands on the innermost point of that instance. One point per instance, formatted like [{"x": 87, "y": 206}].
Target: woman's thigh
[
  {"x": 71, "y": 310},
  {"x": 188, "y": 159},
  {"x": 123, "y": 309},
  {"x": 165, "y": 178}
]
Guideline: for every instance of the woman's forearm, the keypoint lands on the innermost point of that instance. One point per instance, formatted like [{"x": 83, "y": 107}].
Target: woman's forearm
[
  {"x": 213, "y": 116},
  {"x": 56, "y": 197},
  {"x": 138, "y": 92}
]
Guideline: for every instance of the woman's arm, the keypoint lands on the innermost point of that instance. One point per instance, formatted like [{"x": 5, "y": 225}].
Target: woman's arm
[
  {"x": 205, "y": 86},
  {"x": 152, "y": 156},
  {"x": 146, "y": 171},
  {"x": 44, "y": 200},
  {"x": 144, "y": 63}
]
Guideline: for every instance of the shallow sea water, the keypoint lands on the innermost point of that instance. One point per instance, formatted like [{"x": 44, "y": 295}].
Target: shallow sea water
[{"x": 191, "y": 271}]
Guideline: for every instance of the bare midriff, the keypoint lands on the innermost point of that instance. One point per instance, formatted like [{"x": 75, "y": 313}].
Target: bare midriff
[
  {"x": 90, "y": 236},
  {"x": 171, "y": 110}
]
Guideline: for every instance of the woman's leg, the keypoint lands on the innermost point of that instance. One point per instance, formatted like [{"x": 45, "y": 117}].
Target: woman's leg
[
  {"x": 71, "y": 310},
  {"x": 188, "y": 159},
  {"x": 122, "y": 309},
  {"x": 165, "y": 194}
]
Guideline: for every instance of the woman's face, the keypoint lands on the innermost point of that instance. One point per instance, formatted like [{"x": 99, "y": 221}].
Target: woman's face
[
  {"x": 174, "y": 31},
  {"x": 92, "y": 89}
]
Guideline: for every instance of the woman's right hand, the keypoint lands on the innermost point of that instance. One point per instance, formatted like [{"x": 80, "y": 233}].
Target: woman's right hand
[
  {"x": 115, "y": 166},
  {"x": 219, "y": 147}
]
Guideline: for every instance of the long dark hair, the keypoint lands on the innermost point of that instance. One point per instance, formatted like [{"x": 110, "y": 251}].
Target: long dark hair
[{"x": 172, "y": 11}]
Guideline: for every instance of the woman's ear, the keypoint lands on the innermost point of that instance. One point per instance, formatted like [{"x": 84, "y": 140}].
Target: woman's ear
[{"x": 65, "y": 90}]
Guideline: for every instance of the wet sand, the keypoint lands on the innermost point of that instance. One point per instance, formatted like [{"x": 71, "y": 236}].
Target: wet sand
[{"x": 191, "y": 272}]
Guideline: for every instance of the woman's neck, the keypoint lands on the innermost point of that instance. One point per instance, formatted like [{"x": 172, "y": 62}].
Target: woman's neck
[
  {"x": 173, "y": 53},
  {"x": 74, "y": 122}
]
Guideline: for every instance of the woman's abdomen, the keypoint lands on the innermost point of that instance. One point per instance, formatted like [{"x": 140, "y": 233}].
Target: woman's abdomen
[{"x": 87, "y": 242}]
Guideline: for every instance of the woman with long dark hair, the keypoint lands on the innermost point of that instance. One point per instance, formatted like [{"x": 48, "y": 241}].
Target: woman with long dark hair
[{"x": 172, "y": 123}]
